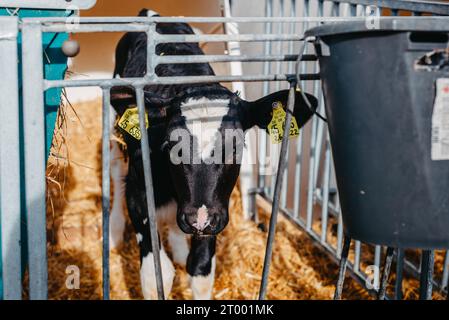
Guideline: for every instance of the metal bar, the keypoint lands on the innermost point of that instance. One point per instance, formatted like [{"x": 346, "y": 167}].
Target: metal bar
[
  {"x": 353, "y": 10},
  {"x": 313, "y": 170},
  {"x": 427, "y": 264},
  {"x": 49, "y": 4},
  {"x": 10, "y": 207},
  {"x": 330, "y": 251},
  {"x": 409, "y": 5},
  {"x": 34, "y": 138},
  {"x": 171, "y": 80},
  {"x": 106, "y": 189},
  {"x": 326, "y": 181},
  {"x": 339, "y": 232},
  {"x": 386, "y": 273},
  {"x": 151, "y": 52},
  {"x": 357, "y": 254},
  {"x": 136, "y": 24},
  {"x": 342, "y": 270},
  {"x": 277, "y": 88},
  {"x": 149, "y": 192},
  {"x": 311, "y": 182},
  {"x": 377, "y": 254},
  {"x": 229, "y": 58},
  {"x": 275, "y": 208},
  {"x": 169, "y": 38},
  {"x": 297, "y": 187},
  {"x": 262, "y": 137},
  {"x": 399, "y": 274},
  {"x": 54, "y": 24}
]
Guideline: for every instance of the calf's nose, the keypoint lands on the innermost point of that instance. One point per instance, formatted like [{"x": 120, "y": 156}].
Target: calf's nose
[{"x": 202, "y": 220}]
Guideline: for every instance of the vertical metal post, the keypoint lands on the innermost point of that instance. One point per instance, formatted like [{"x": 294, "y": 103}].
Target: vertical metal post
[
  {"x": 399, "y": 274},
  {"x": 236, "y": 68},
  {"x": 311, "y": 186},
  {"x": 339, "y": 230},
  {"x": 106, "y": 188},
  {"x": 377, "y": 254},
  {"x": 425, "y": 286},
  {"x": 149, "y": 191},
  {"x": 10, "y": 207},
  {"x": 325, "y": 191},
  {"x": 151, "y": 51},
  {"x": 357, "y": 254},
  {"x": 277, "y": 189},
  {"x": 34, "y": 136},
  {"x": 277, "y": 86},
  {"x": 342, "y": 270},
  {"x": 146, "y": 160},
  {"x": 386, "y": 274},
  {"x": 266, "y": 88}
]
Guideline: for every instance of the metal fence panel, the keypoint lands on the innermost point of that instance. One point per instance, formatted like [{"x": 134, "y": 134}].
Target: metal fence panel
[
  {"x": 317, "y": 159},
  {"x": 34, "y": 137},
  {"x": 10, "y": 207}
]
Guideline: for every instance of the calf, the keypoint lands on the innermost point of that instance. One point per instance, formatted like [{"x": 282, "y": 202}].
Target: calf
[{"x": 196, "y": 135}]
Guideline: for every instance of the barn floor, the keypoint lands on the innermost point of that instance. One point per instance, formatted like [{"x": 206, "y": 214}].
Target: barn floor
[{"x": 299, "y": 270}]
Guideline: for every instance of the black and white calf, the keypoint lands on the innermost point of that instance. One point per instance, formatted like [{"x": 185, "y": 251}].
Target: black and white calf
[{"x": 196, "y": 135}]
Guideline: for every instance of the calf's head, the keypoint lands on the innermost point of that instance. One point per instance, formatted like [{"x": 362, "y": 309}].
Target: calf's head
[{"x": 202, "y": 136}]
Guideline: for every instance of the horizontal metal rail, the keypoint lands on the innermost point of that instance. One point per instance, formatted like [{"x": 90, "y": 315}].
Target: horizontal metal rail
[
  {"x": 109, "y": 83},
  {"x": 435, "y": 7},
  {"x": 228, "y": 58},
  {"x": 49, "y": 4}
]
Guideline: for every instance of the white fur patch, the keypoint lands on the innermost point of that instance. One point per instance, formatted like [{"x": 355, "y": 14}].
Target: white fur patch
[
  {"x": 148, "y": 278},
  {"x": 177, "y": 241},
  {"x": 202, "y": 220},
  {"x": 151, "y": 13},
  {"x": 117, "y": 216},
  {"x": 202, "y": 286},
  {"x": 203, "y": 119},
  {"x": 139, "y": 238}
]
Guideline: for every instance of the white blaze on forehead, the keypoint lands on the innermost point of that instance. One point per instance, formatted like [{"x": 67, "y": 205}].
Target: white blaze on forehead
[
  {"x": 202, "y": 220},
  {"x": 203, "y": 119}
]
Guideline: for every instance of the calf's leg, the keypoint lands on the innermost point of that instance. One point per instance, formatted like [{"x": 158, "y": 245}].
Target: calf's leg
[
  {"x": 201, "y": 266},
  {"x": 118, "y": 174},
  {"x": 138, "y": 213}
]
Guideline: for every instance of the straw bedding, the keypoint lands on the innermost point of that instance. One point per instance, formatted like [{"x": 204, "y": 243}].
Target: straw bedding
[{"x": 299, "y": 270}]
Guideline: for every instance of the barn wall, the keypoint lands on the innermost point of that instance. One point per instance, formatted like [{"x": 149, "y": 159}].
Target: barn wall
[{"x": 98, "y": 48}]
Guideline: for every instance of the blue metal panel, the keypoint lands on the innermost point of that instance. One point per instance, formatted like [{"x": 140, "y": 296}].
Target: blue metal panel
[{"x": 55, "y": 65}]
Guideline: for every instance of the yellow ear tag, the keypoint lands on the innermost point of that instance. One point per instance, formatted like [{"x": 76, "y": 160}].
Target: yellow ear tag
[
  {"x": 130, "y": 122},
  {"x": 276, "y": 125}
]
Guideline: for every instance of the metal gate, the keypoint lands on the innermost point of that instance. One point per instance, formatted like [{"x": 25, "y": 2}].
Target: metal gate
[
  {"x": 315, "y": 204},
  {"x": 316, "y": 162}
]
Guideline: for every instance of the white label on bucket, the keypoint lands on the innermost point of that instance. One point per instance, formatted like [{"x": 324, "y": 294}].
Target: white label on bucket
[{"x": 440, "y": 121}]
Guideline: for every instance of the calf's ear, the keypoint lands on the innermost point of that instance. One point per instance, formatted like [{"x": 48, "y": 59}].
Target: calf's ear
[
  {"x": 260, "y": 112},
  {"x": 121, "y": 98}
]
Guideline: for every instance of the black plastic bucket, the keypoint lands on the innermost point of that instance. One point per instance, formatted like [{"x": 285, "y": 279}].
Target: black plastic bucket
[{"x": 380, "y": 89}]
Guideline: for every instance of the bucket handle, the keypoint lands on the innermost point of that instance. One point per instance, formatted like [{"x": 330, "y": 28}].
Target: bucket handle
[{"x": 301, "y": 52}]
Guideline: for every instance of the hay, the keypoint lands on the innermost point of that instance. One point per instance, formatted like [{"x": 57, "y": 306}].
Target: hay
[{"x": 299, "y": 270}]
